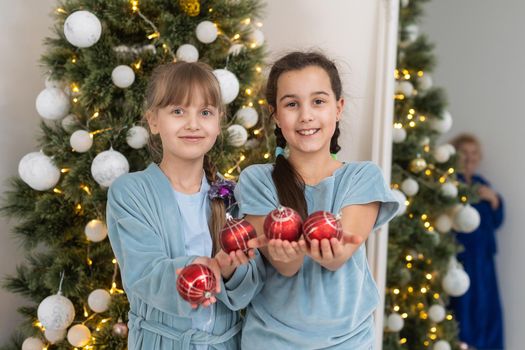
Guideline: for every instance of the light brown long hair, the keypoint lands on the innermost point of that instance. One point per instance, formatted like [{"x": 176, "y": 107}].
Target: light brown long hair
[{"x": 176, "y": 83}]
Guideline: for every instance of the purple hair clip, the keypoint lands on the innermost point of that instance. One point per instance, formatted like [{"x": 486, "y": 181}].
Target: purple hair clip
[{"x": 222, "y": 189}]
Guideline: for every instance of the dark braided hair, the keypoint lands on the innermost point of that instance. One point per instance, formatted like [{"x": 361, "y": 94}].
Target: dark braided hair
[{"x": 288, "y": 182}]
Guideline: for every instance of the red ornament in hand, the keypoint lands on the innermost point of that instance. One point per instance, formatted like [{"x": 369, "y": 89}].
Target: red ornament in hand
[
  {"x": 236, "y": 234},
  {"x": 196, "y": 283},
  {"x": 321, "y": 225},
  {"x": 283, "y": 223}
]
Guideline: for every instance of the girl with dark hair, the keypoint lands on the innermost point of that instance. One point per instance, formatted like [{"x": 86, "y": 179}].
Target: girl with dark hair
[
  {"x": 169, "y": 215},
  {"x": 320, "y": 296}
]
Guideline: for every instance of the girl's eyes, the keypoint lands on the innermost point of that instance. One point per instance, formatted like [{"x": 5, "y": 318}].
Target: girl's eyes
[
  {"x": 318, "y": 101},
  {"x": 291, "y": 104},
  {"x": 177, "y": 111},
  {"x": 207, "y": 113}
]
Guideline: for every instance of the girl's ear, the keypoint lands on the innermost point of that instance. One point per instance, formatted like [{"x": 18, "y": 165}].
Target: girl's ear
[
  {"x": 340, "y": 105},
  {"x": 274, "y": 115},
  {"x": 152, "y": 119}
]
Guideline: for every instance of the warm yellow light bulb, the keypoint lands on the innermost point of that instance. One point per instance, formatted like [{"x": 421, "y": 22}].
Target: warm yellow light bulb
[
  {"x": 412, "y": 124},
  {"x": 404, "y": 315},
  {"x": 402, "y": 340},
  {"x": 396, "y": 291},
  {"x": 266, "y": 155},
  {"x": 428, "y": 276}
]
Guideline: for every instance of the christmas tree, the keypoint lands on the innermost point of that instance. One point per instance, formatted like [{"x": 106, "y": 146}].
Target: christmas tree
[
  {"x": 98, "y": 64},
  {"x": 422, "y": 271}
]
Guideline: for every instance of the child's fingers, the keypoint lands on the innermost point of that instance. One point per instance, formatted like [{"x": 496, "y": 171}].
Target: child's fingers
[
  {"x": 259, "y": 241},
  {"x": 326, "y": 249},
  {"x": 302, "y": 246},
  {"x": 314, "y": 249},
  {"x": 275, "y": 247},
  {"x": 337, "y": 247},
  {"x": 178, "y": 271},
  {"x": 241, "y": 257},
  {"x": 289, "y": 249}
]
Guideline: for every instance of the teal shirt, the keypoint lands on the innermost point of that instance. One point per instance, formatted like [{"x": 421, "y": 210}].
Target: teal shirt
[
  {"x": 146, "y": 234},
  {"x": 316, "y": 308}
]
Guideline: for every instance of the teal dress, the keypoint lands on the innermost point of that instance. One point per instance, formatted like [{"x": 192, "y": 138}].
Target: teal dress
[
  {"x": 316, "y": 308},
  {"x": 147, "y": 235}
]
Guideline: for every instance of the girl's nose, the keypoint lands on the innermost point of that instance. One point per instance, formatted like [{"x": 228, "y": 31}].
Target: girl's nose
[{"x": 306, "y": 114}]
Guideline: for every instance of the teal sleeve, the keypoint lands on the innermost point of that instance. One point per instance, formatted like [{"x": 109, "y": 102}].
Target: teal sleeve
[
  {"x": 367, "y": 185},
  {"x": 255, "y": 192},
  {"x": 147, "y": 271}
]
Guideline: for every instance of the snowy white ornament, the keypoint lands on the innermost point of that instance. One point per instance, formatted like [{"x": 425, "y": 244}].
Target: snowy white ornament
[
  {"x": 237, "y": 135},
  {"x": 256, "y": 38},
  {"x": 81, "y": 141},
  {"x": 399, "y": 134},
  {"x": 56, "y": 312},
  {"x": 441, "y": 345},
  {"x": 54, "y": 335},
  {"x": 52, "y": 104},
  {"x": 405, "y": 87},
  {"x": 466, "y": 220},
  {"x": 137, "y": 137},
  {"x": 38, "y": 171},
  {"x": 448, "y": 189},
  {"x": 395, "y": 322},
  {"x": 247, "y": 117},
  {"x": 443, "y": 124},
  {"x": 451, "y": 149},
  {"x": 188, "y": 53},
  {"x": 425, "y": 140},
  {"x": 404, "y": 3},
  {"x": 82, "y": 29},
  {"x": 442, "y": 154},
  {"x": 235, "y": 49},
  {"x": 96, "y": 230},
  {"x": 98, "y": 300},
  {"x": 229, "y": 84},
  {"x": 402, "y": 201},
  {"x": 412, "y": 32},
  {"x": 123, "y": 76},
  {"x": 436, "y": 313},
  {"x": 410, "y": 186},
  {"x": 425, "y": 82},
  {"x": 78, "y": 335},
  {"x": 252, "y": 144},
  {"x": 456, "y": 282},
  {"x": 443, "y": 223},
  {"x": 107, "y": 166},
  {"x": 32, "y": 343},
  {"x": 206, "y": 32},
  {"x": 69, "y": 122}
]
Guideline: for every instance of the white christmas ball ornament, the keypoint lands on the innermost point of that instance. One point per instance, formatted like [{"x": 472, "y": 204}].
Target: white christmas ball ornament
[
  {"x": 82, "y": 29},
  {"x": 52, "y": 104},
  {"x": 410, "y": 186},
  {"x": 442, "y": 125},
  {"x": 188, "y": 53},
  {"x": 442, "y": 154},
  {"x": 32, "y": 343},
  {"x": 107, "y": 166},
  {"x": 237, "y": 135},
  {"x": 69, "y": 122},
  {"x": 441, "y": 345},
  {"x": 456, "y": 282},
  {"x": 425, "y": 82},
  {"x": 56, "y": 312},
  {"x": 436, "y": 313},
  {"x": 137, "y": 137},
  {"x": 395, "y": 322},
  {"x": 449, "y": 190},
  {"x": 404, "y": 3},
  {"x": 206, "y": 32},
  {"x": 78, "y": 335},
  {"x": 399, "y": 134},
  {"x": 38, "y": 171},
  {"x": 466, "y": 220},
  {"x": 451, "y": 148},
  {"x": 81, "y": 141},
  {"x": 247, "y": 117},
  {"x": 402, "y": 201},
  {"x": 443, "y": 223},
  {"x": 54, "y": 335},
  {"x": 256, "y": 38},
  {"x": 405, "y": 87},
  {"x": 123, "y": 76},
  {"x": 96, "y": 230},
  {"x": 412, "y": 32},
  {"x": 99, "y": 300},
  {"x": 229, "y": 84}
]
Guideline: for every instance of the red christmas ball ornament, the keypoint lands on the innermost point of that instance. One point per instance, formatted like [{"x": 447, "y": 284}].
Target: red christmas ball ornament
[
  {"x": 321, "y": 225},
  {"x": 283, "y": 223},
  {"x": 235, "y": 234},
  {"x": 196, "y": 283}
]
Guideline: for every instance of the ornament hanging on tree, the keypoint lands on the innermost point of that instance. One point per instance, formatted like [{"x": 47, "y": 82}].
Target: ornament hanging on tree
[
  {"x": 443, "y": 223},
  {"x": 78, "y": 335},
  {"x": 52, "y": 104},
  {"x": 206, "y": 32},
  {"x": 32, "y": 343},
  {"x": 191, "y": 7},
  {"x": 187, "y": 53},
  {"x": 404, "y": 3},
  {"x": 411, "y": 33},
  {"x": 441, "y": 345},
  {"x": 424, "y": 82},
  {"x": 283, "y": 223},
  {"x": 38, "y": 171},
  {"x": 399, "y": 134},
  {"x": 256, "y": 38},
  {"x": 237, "y": 135},
  {"x": 443, "y": 124},
  {"x": 108, "y": 166},
  {"x": 56, "y": 312},
  {"x": 82, "y": 29},
  {"x": 229, "y": 84},
  {"x": 448, "y": 189},
  {"x": 405, "y": 87},
  {"x": 436, "y": 313},
  {"x": 395, "y": 322},
  {"x": 402, "y": 200},
  {"x": 70, "y": 122},
  {"x": 466, "y": 219},
  {"x": 196, "y": 283},
  {"x": 235, "y": 234},
  {"x": 235, "y": 49},
  {"x": 442, "y": 154},
  {"x": 51, "y": 83},
  {"x": 247, "y": 117},
  {"x": 137, "y": 137},
  {"x": 96, "y": 230},
  {"x": 98, "y": 300},
  {"x": 410, "y": 187},
  {"x": 123, "y": 76},
  {"x": 55, "y": 335},
  {"x": 322, "y": 225},
  {"x": 417, "y": 165},
  {"x": 120, "y": 329},
  {"x": 456, "y": 282},
  {"x": 81, "y": 141}
]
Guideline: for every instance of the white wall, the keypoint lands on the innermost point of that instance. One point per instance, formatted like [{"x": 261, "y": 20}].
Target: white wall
[
  {"x": 23, "y": 25},
  {"x": 481, "y": 55}
]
